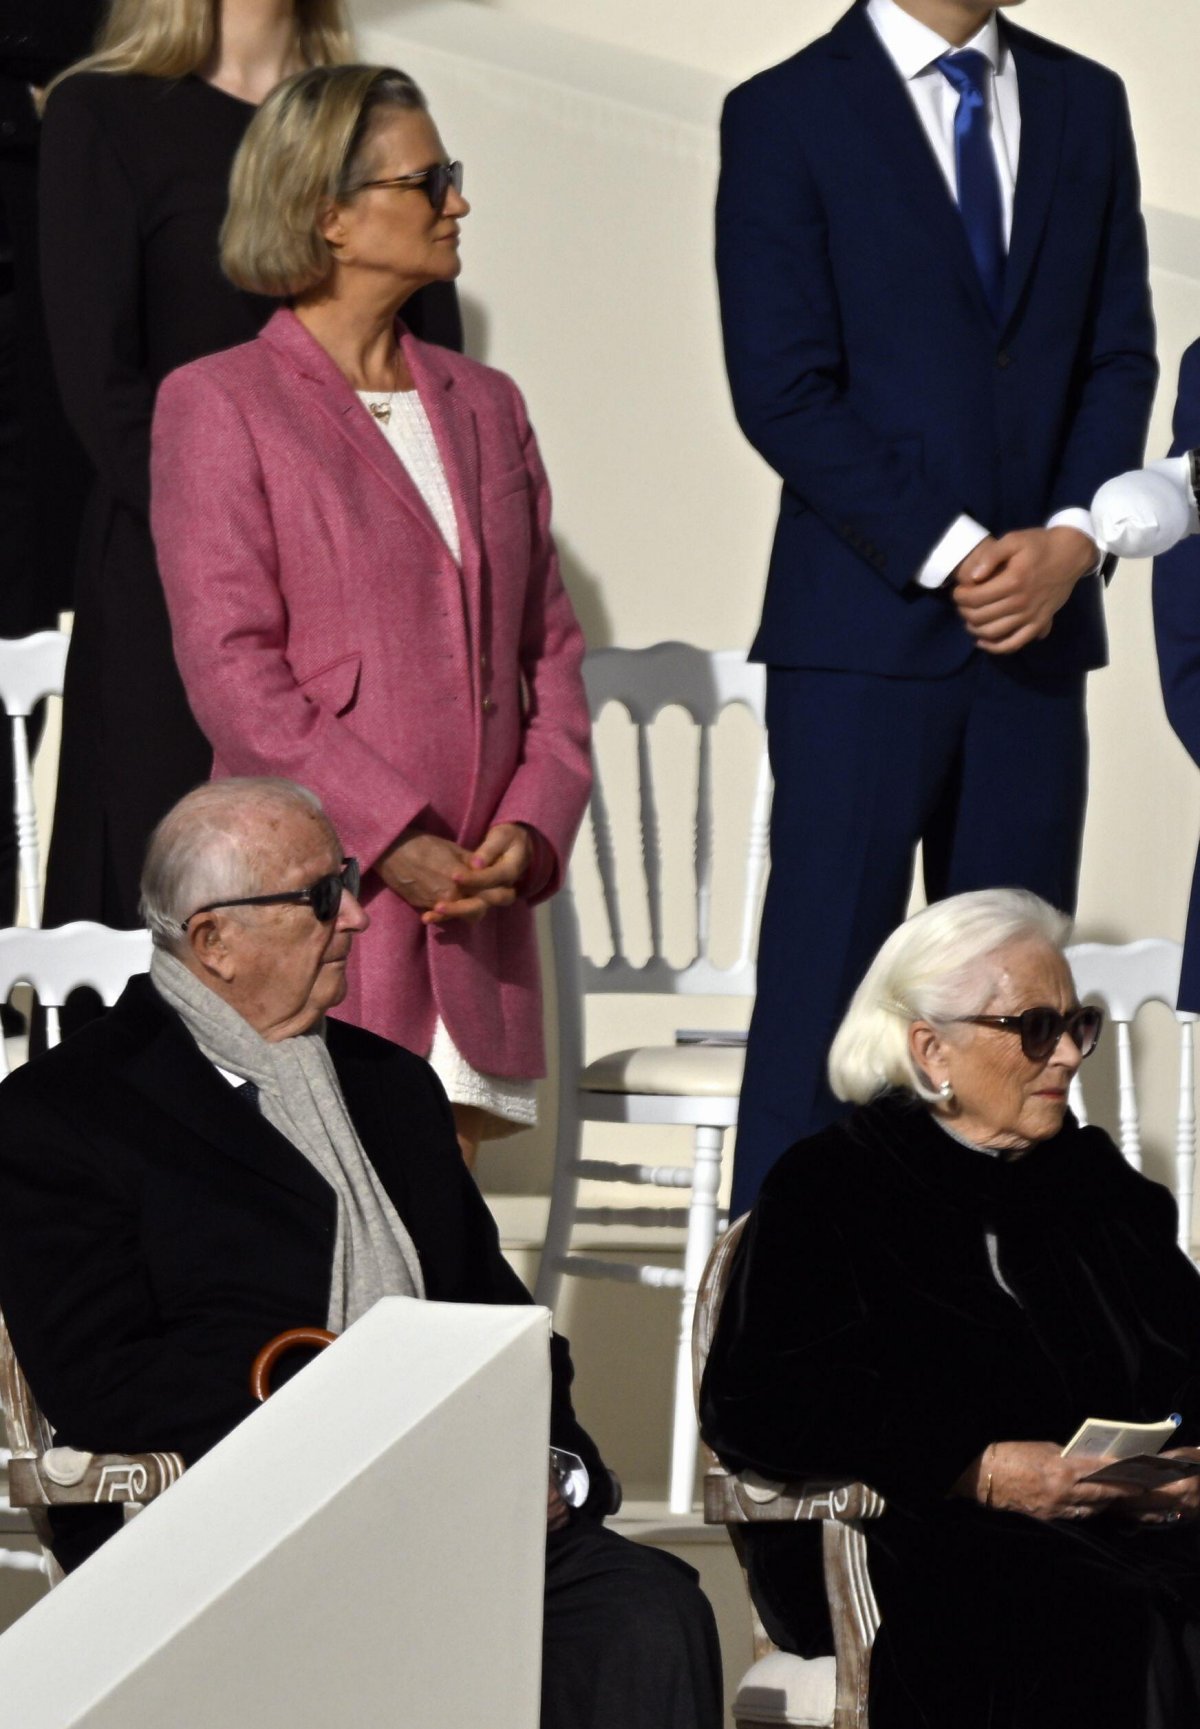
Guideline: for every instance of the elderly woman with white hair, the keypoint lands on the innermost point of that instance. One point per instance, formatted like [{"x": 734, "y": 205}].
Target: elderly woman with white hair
[{"x": 932, "y": 1296}]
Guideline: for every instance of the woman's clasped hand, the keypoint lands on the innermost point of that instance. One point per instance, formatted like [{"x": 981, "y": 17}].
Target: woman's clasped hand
[
  {"x": 445, "y": 881},
  {"x": 1034, "y": 1478}
]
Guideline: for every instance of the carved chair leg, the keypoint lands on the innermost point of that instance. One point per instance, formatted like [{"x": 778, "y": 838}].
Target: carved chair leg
[{"x": 855, "y": 1619}]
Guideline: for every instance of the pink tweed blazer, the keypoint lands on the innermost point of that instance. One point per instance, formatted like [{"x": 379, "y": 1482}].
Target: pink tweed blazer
[{"x": 324, "y": 632}]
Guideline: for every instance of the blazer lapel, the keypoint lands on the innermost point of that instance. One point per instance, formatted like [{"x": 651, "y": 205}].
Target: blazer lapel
[
  {"x": 1040, "y": 87},
  {"x": 333, "y": 397},
  {"x": 884, "y": 110},
  {"x": 170, "y": 1070}
]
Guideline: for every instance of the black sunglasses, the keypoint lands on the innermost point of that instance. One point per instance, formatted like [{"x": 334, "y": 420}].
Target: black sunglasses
[
  {"x": 435, "y": 182},
  {"x": 1041, "y": 1029},
  {"x": 324, "y": 896}
]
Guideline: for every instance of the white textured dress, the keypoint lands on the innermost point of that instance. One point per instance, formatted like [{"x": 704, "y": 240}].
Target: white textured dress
[{"x": 401, "y": 418}]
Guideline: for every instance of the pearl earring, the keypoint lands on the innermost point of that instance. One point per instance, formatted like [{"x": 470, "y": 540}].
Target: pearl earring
[{"x": 946, "y": 1092}]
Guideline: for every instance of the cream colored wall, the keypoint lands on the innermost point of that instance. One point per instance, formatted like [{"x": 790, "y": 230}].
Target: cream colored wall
[
  {"x": 589, "y": 134},
  {"x": 1147, "y": 42}
]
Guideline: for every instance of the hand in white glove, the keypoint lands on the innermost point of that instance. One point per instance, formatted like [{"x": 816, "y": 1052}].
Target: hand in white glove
[{"x": 1147, "y": 511}]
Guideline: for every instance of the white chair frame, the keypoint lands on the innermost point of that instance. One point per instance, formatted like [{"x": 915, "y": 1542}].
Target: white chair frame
[
  {"x": 644, "y": 682},
  {"x": 53, "y": 963},
  {"x": 31, "y": 667},
  {"x": 1125, "y": 977},
  {"x": 56, "y": 962}
]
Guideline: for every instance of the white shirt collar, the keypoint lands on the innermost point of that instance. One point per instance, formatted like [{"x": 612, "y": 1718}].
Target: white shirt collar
[{"x": 914, "y": 46}]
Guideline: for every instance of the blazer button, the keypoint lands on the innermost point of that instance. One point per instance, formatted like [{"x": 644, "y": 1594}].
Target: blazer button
[
  {"x": 1003, "y": 359},
  {"x": 488, "y": 705}
]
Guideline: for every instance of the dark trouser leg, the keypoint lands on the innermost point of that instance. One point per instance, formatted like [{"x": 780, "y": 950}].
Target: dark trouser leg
[
  {"x": 859, "y": 764},
  {"x": 629, "y": 1640},
  {"x": 1013, "y": 817}
]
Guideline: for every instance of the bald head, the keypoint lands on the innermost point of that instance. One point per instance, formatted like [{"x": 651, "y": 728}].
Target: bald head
[{"x": 221, "y": 841}]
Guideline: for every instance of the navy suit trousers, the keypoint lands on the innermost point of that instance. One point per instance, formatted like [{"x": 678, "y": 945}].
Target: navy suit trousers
[{"x": 985, "y": 768}]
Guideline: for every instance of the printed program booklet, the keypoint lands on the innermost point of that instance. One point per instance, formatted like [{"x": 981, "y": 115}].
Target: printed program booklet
[{"x": 1133, "y": 1449}]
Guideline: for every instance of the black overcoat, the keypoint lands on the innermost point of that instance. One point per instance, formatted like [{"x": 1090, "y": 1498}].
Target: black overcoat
[
  {"x": 156, "y": 1231},
  {"x": 864, "y": 1333}
]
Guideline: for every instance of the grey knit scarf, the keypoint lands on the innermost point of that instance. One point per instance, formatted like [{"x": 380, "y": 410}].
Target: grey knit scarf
[{"x": 299, "y": 1094}]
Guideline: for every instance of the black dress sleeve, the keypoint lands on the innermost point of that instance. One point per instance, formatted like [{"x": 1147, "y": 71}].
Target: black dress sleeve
[
  {"x": 803, "y": 1379},
  {"x": 91, "y": 275}
]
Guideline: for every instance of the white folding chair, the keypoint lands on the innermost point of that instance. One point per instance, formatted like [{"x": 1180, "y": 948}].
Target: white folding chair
[
  {"x": 56, "y": 962},
  {"x": 31, "y": 667},
  {"x": 695, "y": 1086},
  {"x": 1124, "y": 977},
  {"x": 53, "y": 963}
]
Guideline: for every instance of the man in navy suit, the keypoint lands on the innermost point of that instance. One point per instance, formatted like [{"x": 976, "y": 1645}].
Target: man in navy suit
[
  {"x": 938, "y": 333},
  {"x": 1177, "y": 625}
]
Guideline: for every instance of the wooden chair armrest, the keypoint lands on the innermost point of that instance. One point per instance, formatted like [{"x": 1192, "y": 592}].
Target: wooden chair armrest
[
  {"x": 292, "y": 1339},
  {"x": 749, "y": 1500},
  {"x": 66, "y": 1478}
]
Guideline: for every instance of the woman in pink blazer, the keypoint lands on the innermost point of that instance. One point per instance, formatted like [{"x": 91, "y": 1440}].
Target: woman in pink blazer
[{"x": 353, "y": 533}]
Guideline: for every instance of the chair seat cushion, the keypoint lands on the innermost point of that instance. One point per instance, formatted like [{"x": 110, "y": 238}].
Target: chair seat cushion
[
  {"x": 783, "y": 1688},
  {"x": 677, "y": 1071}
]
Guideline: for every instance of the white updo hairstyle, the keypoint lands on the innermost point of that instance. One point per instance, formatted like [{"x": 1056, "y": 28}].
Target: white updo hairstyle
[{"x": 933, "y": 967}]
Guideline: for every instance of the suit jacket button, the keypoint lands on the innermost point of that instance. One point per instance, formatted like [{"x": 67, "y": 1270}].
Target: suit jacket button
[
  {"x": 1003, "y": 359},
  {"x": 488, "y": 705}
]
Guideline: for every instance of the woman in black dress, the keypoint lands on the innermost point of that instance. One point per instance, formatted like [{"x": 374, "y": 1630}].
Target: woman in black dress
[
  {"x": 137, "y": 146},
  {"x": 932, "y": 1296}
]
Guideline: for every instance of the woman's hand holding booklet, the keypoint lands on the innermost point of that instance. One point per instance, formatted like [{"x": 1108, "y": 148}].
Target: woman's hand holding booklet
[{"x": 1132, "y": 1452}]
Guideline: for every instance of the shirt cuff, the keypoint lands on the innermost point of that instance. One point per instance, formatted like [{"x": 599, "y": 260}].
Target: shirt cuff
[
  {"x": 1081, "y": 520},
  {"x": 962, "y": 537}
]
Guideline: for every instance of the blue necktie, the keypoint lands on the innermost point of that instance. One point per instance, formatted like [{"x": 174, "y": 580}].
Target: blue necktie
[{"x": 978, "y": 180}]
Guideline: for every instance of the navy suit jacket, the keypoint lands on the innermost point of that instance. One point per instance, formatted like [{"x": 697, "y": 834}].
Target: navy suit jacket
[
  {"x": 866, "y": 367},
  {"x": 1177, "y": 633}
]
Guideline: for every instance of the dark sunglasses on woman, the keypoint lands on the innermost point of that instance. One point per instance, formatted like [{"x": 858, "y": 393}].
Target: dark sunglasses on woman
[
  {"x": 435, "y": 182},
  {"x": 1041, "y": 1028},
  {"x": 324, "y": 896}
]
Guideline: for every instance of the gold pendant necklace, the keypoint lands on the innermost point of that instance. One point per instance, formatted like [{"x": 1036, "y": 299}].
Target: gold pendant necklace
[{"x": 382, "y": 411}]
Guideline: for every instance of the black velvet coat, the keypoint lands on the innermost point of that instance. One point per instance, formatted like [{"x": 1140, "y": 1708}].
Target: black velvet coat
[
  {"x": 864, "y": 1334},
  {"x": 156, "y": 1231}
]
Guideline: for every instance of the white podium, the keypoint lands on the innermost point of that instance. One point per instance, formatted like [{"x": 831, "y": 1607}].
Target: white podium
[{"x": 365, "y": 1552}]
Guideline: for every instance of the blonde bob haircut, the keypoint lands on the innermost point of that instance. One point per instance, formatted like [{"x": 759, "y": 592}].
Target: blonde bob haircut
[
  {"x": 170, "y": 38},
  {"x": 303, "y": 150},
  {"x": 942, "y": 962}
]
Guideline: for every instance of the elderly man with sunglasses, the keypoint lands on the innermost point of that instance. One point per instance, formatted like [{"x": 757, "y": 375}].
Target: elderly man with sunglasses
[{"x": 214, "y": 1161}]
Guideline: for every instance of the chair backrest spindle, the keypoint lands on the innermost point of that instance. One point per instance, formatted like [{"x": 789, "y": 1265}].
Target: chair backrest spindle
[
  {"x": 651, "y": 840},
  {"x": 703, "y": 684},
  {"x": 31, "y": 668},
  {"x": 1125, "y": 977},
  {"x": 703, "y": 849}
]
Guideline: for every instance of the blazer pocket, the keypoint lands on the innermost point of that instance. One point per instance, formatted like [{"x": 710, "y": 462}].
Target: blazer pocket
[{"x": 334, "y": 686}]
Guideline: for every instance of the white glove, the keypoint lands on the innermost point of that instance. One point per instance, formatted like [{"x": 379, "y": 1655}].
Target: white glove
[{"x": 1147, "y": 511}]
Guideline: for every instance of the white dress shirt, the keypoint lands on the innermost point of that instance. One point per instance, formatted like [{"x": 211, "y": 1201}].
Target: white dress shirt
[{"x": 914, "y": 49}]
